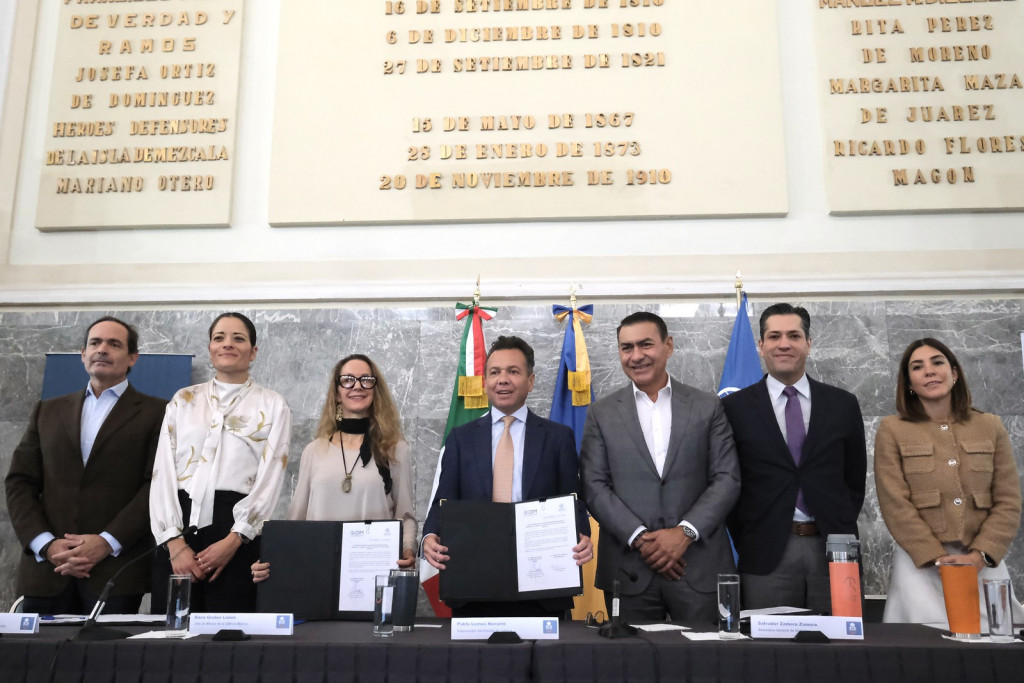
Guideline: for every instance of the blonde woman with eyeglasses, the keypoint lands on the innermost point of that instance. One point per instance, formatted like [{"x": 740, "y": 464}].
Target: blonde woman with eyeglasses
[{"x": 359, "y": 466}]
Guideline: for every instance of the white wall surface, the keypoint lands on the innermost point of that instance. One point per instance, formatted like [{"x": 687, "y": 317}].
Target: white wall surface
[{"x": 806, "y": 252}]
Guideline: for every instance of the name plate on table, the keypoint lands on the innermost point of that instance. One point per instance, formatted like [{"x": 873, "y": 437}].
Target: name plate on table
[
  {"x": 254, "y": 624},
  {"x": 788, "y": 625},
  {"x": 528, "y": 628},
  {"x": 19, "y": 622}
]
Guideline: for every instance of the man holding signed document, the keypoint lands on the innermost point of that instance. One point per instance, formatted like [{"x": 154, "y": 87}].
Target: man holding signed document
[{"x": 508, "y": 455}]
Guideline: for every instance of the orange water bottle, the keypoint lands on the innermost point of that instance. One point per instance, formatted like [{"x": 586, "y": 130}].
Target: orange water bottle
[{"x": 843, "y": 552}]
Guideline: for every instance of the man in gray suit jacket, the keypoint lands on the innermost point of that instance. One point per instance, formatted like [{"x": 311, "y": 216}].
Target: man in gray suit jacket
[
  {"x": 78, "y": 486},
  {"x": 659, "y": 474}
]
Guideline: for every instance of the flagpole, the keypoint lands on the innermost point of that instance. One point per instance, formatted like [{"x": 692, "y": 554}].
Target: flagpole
[
  {"x": 573, "y": 394},
  {"x": 469, "y": 401},
  {"x": 738, "y": 285}
]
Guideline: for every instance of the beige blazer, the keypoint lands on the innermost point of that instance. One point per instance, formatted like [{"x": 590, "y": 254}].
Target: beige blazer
[{"x": 941, "y": 485}]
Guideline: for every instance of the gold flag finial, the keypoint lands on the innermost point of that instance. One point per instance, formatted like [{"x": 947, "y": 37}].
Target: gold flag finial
[
  {"x": 738, "y": 285},
  {"x": 573, "y": 288},
  {"x": 476, "y": 292}
]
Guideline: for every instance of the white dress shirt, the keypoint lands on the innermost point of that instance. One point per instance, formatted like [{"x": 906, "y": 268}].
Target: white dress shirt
[
  {"x": 656, "y": 424},
  {"x": 94, "y": 411}
]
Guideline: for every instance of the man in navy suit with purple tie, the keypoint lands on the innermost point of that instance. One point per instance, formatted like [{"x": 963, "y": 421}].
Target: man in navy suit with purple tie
[{"x": 803, "y": 465}]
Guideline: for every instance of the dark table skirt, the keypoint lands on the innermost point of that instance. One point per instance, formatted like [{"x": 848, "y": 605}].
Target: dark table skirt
[{"x": 325, "y": 652}]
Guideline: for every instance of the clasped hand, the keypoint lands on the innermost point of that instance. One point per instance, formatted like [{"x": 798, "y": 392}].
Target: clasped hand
[
  {"x": 663, "y": 551},
  {"x": 207, "y": 563},
  {"x": 76, "y": 554},
  {"x": 973, "y": 557},
  {"x": 213, "y": 558}
]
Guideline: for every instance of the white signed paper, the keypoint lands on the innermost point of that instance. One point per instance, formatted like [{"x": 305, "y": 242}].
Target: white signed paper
[
  {"x": 367, "y": 549},
  {"x": 545, "y": 536}
]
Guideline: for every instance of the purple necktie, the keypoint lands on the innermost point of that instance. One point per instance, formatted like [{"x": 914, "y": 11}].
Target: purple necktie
[{"x": 795, "y": 435}]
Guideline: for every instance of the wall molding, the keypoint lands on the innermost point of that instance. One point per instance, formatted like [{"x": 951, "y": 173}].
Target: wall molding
[{"x": 986, "y": 285}]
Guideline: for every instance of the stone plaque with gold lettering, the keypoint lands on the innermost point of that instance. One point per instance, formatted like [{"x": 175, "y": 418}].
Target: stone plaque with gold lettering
[
  {"x": 142, "y": 115},
  {"x": 474, "y": 110},
  {"x": 923, "y": 104}
]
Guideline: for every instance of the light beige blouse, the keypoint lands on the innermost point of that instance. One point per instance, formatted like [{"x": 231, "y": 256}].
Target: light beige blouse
[{"x": 318, "y": 494}]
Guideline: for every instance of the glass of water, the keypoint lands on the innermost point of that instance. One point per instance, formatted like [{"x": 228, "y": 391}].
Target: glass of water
[
  {"x": 997, "y": 605},
  {"x": 729, "y": 606},
  {"x": 383, "y": 600},
  {"x": 179, "y": 591}
]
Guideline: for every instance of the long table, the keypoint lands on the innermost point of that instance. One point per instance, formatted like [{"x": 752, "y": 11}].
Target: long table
[
  {"x": 889, "y": 653},
  {"x": 326, "y": 652}
]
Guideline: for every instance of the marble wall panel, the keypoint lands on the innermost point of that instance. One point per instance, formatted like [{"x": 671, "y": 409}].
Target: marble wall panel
[
  {"x": 10, "y": 549},
  {"x": 984, "y": 335},
  {"x": 23, "y": 352},
  {"x": 855, "y": 344}
]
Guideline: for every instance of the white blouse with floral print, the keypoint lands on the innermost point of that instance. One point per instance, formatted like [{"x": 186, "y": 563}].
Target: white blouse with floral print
[{"x": 225, "y": 437}]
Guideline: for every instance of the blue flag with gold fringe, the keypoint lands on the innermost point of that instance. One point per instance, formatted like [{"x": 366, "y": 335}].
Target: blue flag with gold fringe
[
  {"x": 573, "y": 389},
  {"x": 574, "y": 392}
]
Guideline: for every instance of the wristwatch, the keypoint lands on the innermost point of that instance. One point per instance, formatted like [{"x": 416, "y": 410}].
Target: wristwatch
[
  {"x": 689, "y": 532},
  {"x": 985, "y": 558},
  {"x": 242, "y": 538}
]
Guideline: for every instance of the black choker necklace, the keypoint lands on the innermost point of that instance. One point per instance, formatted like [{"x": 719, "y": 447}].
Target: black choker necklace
[{"x": 350, "y": 425}]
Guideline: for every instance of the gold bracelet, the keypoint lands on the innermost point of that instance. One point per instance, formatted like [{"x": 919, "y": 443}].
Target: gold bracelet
[{"x": 179, "y": 553}]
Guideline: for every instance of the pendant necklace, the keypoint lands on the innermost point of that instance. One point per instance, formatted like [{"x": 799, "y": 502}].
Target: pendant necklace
[
  {"x": 346, "y": 485},
  {"x": 356, "y": 426}
]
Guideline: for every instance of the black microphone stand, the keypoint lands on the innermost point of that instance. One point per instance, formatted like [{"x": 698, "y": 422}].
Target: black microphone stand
[
  {"x": 615, "y": 628},
  {"x": 89, "y": 630}
]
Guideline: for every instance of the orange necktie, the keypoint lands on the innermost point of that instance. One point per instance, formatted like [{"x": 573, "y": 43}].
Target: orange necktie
[{"x": 504, "y": 459}]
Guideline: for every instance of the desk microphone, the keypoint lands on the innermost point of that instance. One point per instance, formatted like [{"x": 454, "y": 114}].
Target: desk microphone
[
  {"x": 615, "y": 628},
  {"x": 89, "y": 630}
]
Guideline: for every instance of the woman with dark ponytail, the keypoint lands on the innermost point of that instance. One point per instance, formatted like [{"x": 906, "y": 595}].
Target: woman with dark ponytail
[{"x": 219, "y": 467}]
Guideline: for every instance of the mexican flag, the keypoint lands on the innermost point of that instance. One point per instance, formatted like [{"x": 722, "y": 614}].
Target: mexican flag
[{"x": 469, "y": 401}]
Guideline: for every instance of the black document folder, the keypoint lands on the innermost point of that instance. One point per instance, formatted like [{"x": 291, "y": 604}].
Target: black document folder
[
  {"x": 481, "y": 541},
  {"x": 305, "y": 569}
]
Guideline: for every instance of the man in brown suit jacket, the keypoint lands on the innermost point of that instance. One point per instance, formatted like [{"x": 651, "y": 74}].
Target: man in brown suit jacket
[{"x": 78, "y": 487}]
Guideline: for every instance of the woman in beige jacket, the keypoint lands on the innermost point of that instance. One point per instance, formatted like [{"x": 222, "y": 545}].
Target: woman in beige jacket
[{"x": 947, "y": 484}]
